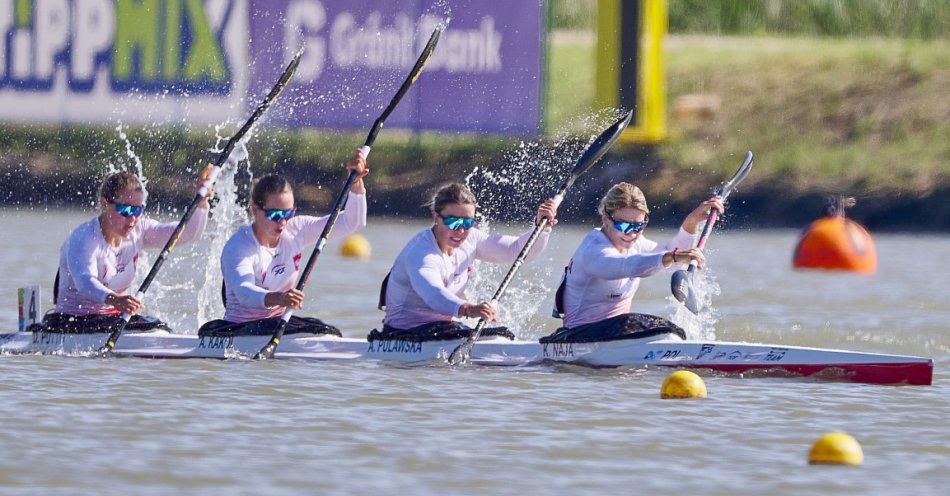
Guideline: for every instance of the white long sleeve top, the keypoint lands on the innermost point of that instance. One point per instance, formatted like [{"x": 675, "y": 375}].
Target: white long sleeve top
[
  {"x": 90, "y": 269},
  {"x": 251, "y": 270},
  {"x": 426, "y": 285},
  {"x": 601, "y": 281}
]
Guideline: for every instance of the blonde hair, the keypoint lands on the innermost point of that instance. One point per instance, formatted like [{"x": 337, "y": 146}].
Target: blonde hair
[
  {"x": 622, "y": 195},
  {"x": 451, "y": 193}
]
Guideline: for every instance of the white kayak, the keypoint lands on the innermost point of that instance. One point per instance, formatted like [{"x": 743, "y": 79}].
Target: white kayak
[{"x": 666, "y": 350}]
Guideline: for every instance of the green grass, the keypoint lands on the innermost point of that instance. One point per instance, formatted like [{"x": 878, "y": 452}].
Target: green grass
[
  {"x": 868, "y": 116},
  {"x": 925, "y": 19},
  {"x": 865, "y": 115},
  {"x": 922, "y": 19}
]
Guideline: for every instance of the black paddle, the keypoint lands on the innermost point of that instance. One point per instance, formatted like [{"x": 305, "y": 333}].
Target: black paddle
[
  {"x": 285, "y": 78},
  {"x": 268, "y": 350},
  {"x": 682, "y": 281},
  {"x": 594, "y": 152}
]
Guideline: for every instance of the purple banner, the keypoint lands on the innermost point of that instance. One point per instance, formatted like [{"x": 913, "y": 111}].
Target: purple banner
[{"x": 485, "y": 74}]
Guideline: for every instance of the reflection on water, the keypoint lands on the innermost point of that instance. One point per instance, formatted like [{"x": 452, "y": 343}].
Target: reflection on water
[{"x": 156, "y": 427}]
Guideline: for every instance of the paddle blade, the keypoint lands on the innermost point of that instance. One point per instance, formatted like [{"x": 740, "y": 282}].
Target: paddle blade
[
  {"x": 275, "y": 91},
  {"x": 679, "y": 284},
  {"x": 413, "y": 76},
  {"x": 737, "y": 178},
  {"x": 599, "y": 147},
  {"x": 267, "y": 352},
  {"x": 461, "y": 353},
  {"x": 693, "y": 301},
  {"x": 685, "y": 291}
]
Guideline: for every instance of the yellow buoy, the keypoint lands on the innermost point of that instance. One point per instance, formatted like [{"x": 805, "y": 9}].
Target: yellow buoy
[
  {"x": 836, "y": 448},
  {"x": 683, "y": 384},
  {"x": 356, "y": 246}
]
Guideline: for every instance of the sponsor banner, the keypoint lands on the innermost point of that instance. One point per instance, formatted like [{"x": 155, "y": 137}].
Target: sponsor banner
[
  {"x": 205, "y": 61},
  {"x": 485, "y": 74},
  {"x": 104, "y": 61}
]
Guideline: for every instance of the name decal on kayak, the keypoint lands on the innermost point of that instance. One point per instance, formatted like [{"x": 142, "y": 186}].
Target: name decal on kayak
[
  {"x": 394, "y": 346},
  {"x": 216, "y": 342},
  {"x": 557, "y": 350},
  {"x": 49, "y": 338},
  {"x": 662, "y": 355},
  {"x": 772, "y": 355},
  {"x": 776, "y": 354}
]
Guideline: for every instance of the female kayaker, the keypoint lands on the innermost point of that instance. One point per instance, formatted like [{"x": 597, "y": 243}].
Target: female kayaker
[
  {"x": 261, "y": 261},
  {"x": 97, "y": 263},
  {"x": 604, "y": 273},
  {"x": 425, "y": 290}
]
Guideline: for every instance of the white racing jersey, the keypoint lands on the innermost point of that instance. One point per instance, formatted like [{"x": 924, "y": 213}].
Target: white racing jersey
[
  {"x": 251, "y": 270},
  {"x": 426, "y": 285},
  {"x": 600, "y": 281},
  {"x": 90, "y": 269}
]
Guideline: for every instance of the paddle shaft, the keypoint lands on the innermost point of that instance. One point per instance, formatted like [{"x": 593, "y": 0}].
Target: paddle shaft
[
  {"x": 704, "y": 235},
  {"x": 591, "y": 155},
  {"x": 681, "y": 282},
  {"x": 463, "y": 350},
  {"x": 267, "y": 351},
  {"x": 206, "y": 186}
]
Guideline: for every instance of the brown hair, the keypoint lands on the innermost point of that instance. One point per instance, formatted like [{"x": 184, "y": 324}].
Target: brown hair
[
  {"x": 451, "y": 193},
  {"x": 268, "y": 185},
  {"x": 118, "y": 182},
  {"x": 622, "y": 195}
]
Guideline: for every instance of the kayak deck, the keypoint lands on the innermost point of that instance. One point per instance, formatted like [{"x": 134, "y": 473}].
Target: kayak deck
[{"x": 664, "y": 350}]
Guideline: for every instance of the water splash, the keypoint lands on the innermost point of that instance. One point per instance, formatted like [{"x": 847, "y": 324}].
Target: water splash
[
  {"x": 512, "y": 191},
  {"x": 230, "y": 213},
  {"x": 700, "y": 326},
  {"x": 136, "y": 161}
]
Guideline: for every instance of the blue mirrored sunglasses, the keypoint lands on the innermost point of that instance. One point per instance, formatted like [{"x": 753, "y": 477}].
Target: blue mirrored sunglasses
[
  {"x": 628, "y": 227},
  {"x": 127, "y": 210},
  {"x": 456, "y": 223},
  {"x": 277, "y": 215}
]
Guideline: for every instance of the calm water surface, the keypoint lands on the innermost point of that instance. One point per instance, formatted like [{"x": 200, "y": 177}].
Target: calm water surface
[{"x": 128, "y": 426}]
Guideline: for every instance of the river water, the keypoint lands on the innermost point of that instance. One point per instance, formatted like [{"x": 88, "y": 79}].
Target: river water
[{"x": 130, "y": 426}]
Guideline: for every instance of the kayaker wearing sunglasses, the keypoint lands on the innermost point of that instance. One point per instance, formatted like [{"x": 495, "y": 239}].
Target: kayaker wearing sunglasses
[
  {"x": 97, "y": 263},
  {"x": 261, "y": 261},
  {"x": 604, "y": 273},
  {"x": 425, "y": 290}
]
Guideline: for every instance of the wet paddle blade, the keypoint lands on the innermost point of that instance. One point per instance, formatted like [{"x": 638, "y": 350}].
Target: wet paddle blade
[
  {"x": 740, "y": 174},
  {"x": 591, "y": 155},
  {"x": 679, "y": 284},
  {"x": 271, "y": 347},
  {"x": 598, "y": 148},
  {"x": 404, "y": 88},
  {"x": 684, "y": 289}
]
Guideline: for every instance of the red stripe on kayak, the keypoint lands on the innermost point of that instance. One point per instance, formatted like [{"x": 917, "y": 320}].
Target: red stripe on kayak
[{"x": 916, "y": 373}]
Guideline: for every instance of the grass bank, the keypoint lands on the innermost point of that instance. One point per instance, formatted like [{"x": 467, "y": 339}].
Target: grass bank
[
  {"x": 869, "y": 117},
  {"x": 866, "y": 117},
  {"x": 921, "y": 19}
]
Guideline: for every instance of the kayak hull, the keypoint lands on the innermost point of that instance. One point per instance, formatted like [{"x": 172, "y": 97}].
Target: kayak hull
[{"x": 663, "y": 351}]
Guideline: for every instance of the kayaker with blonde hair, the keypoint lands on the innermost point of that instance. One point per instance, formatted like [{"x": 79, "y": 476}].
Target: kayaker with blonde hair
[
  {"x": 99, "y": 260},
  {"x": 603, "y": 275}
]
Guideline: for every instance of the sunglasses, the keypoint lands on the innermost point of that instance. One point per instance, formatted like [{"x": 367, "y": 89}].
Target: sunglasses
[
  {"x": 456, "y": 223},
  {"x": 277, "y": 215},
  {"x": 127, "y": 210},
  {"x": 628, "y": 227}
]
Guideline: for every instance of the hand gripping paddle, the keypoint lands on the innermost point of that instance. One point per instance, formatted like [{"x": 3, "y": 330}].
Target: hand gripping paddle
[{"x": 682, "y": 281}]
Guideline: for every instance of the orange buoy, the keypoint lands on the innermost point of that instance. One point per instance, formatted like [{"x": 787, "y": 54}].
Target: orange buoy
[{"x": 836, "y": 243}]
